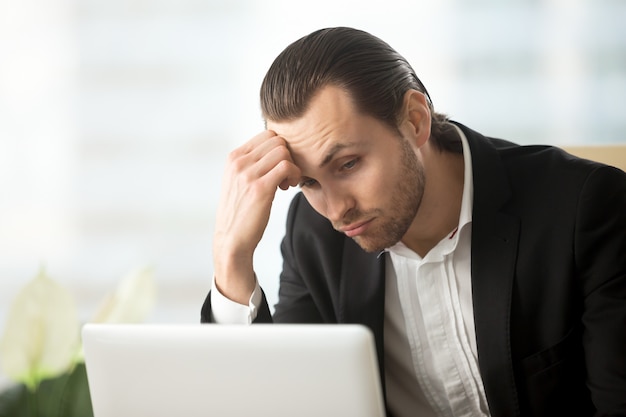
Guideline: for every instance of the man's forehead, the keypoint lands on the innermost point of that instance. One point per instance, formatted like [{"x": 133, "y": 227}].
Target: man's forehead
[{"x": 330, "y": 125}]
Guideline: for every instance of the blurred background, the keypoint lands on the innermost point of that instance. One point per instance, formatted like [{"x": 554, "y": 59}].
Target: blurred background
[{"x": 116, "y": 116}]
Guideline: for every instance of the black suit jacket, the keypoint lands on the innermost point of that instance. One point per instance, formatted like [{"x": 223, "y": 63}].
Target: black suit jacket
[{"x": 548, "y": 280}]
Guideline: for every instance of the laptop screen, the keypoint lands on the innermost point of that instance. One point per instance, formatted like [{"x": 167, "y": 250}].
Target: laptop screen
[{"x": 198, "y": 370}]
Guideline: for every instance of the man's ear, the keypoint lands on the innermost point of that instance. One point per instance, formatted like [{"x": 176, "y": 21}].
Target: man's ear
[{"x": 416, "y": 119}]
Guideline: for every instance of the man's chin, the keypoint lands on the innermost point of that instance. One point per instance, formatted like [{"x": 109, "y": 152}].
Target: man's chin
[{"x": 370, "y": 245}]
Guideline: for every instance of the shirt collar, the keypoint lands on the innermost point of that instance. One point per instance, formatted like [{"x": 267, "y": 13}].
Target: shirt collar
[{"x": 468, "y": 183}]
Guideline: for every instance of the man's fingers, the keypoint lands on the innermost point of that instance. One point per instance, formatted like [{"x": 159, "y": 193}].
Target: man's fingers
[
  {"x": 259, "y": 142},
  {"x": 266, "y": 157},
  {"x": 291, "y": 181}
]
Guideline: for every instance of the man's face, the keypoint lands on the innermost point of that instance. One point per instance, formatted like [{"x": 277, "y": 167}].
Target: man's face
[{"x": 357, "y": 172}]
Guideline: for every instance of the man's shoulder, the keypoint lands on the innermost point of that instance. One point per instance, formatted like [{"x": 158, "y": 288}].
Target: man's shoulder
[{"x": 517, "y": 157}]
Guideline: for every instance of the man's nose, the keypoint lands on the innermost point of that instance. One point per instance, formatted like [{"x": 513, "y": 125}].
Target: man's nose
[{"x": 337, "y": 205}]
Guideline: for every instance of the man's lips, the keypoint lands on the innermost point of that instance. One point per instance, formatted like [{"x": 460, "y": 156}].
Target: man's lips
[{"x": 355, "y": 229}]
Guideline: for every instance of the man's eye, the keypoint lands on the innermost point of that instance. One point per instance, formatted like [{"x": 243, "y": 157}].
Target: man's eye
[
  {"x": 309, "y": 182},
  {"x": 350, "y": 164}
]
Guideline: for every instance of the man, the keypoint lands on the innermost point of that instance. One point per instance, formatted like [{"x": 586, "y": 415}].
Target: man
[{"x": 492, "y": 275}]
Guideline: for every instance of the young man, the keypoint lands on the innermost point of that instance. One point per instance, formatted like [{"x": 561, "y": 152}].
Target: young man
[{"x": 492, "y": 275}]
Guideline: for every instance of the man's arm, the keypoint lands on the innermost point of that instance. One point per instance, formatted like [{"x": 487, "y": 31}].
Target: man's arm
[
  {"x": 253, "y": 173},
  {"x": 296, "y": 298},
  {"x": 600, "y": 250}
]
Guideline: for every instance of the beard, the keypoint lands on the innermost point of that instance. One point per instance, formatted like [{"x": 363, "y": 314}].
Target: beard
[{"x": 392, "y": 223}]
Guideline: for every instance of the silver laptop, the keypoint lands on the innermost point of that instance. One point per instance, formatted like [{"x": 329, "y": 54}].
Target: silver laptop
[{"x": 223, "y": 370}]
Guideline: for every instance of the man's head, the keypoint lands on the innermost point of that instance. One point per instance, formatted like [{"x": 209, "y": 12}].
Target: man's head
[
  {"x": 360, "y": 128},
  {"x": 373, "y": 73},
  {"x": 356, "y": 171}
]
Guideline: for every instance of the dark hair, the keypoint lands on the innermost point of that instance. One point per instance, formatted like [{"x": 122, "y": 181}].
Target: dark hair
[{"x": 373, "y": 73}]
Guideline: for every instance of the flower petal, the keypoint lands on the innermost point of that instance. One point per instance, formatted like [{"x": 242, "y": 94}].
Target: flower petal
[
  {"x": 132, "y": 301},
  {"x": 41, "y": 336}
]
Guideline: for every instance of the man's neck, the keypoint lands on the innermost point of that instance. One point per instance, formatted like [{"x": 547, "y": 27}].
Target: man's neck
[{"x": 440, "y": 208}]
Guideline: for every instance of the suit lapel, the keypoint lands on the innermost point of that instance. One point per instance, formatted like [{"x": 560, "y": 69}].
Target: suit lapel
[
  {"x": 494, "y": 252},
  {"x": 494, "y": 247},
  {"x": 362, "y": 292}
]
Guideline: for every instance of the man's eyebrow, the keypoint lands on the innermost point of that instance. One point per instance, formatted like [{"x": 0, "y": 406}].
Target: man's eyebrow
[{"x": 333, "y": 151}]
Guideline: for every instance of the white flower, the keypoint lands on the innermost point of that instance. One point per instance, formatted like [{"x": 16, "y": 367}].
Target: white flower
[
  {"x": 41, "y": 337},
  {"x": 131, "y": 302}
]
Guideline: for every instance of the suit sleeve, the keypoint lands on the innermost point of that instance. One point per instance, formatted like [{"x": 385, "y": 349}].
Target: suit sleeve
[
  {"x": 600, "y": 252},
  {"x": 295, "y": 300}
]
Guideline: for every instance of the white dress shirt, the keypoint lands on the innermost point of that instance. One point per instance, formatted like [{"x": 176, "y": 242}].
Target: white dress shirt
[{"x": 431, "y": 366}]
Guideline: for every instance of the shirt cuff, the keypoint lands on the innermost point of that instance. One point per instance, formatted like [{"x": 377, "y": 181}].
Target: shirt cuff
[{"x": 226, "y": 311}]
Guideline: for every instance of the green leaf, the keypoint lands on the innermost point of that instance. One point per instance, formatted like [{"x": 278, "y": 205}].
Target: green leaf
[
  {"x": 75, "y": 400},
  {"x": 64, "y": 396},
  {"x": 41, "y": 336},
  {"x": 14, "y": 402}
]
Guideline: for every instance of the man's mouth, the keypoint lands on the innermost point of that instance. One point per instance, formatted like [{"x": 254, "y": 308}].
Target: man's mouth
[{"x": 356, "y": 229}]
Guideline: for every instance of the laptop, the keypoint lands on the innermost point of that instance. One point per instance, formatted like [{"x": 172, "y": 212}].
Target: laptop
[{"x": 280, "y": 370}]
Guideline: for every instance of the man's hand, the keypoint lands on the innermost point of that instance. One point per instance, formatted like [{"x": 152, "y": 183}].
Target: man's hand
[{"x": 253, "y": 173}]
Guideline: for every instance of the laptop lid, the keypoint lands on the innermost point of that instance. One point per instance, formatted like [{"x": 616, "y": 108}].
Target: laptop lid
[{"x": 232, "y": 370}]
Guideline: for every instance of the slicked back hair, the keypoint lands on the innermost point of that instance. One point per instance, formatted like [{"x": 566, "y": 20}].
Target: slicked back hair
[{"x": 374, "y": 75}]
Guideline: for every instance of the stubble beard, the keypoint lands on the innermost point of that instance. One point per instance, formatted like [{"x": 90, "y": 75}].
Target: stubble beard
[{"x": 406, "y": 199}]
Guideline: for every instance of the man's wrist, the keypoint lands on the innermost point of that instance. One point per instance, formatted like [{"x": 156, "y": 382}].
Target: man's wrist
[{"x": 228, "y": 311}]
